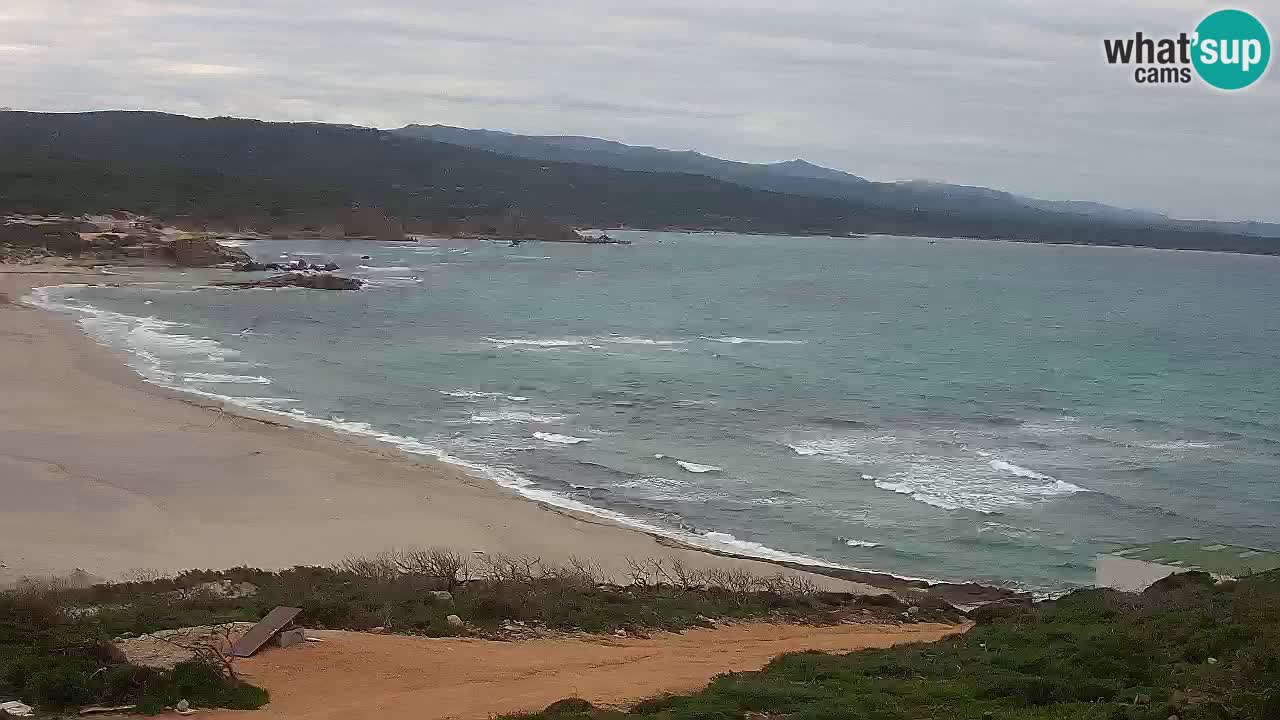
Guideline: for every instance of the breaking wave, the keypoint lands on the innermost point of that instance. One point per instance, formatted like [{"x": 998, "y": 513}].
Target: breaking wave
[
  {"x": 478, "y": 395},
  {"x": 199, "y": 377},
  {"x": 559, "y": 439},
  {"x": 562, "y": 342},
  {"x": 514, "y": 416},
  {"x": 697, "y": 467},
  {"x": 733, "y": 340}
]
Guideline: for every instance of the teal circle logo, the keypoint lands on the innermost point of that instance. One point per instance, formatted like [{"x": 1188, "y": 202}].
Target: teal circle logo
[{"x": 1232, "y": 49}]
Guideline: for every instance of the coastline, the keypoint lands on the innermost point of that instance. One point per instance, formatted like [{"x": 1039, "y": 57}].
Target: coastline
[{"x": 112, "y": 475}]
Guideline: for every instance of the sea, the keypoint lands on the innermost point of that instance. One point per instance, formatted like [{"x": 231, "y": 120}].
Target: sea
[{"x": 945, "y": 409}]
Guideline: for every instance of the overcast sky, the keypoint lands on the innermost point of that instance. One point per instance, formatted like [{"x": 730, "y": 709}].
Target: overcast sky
[{"x": 1012, "y": 94}]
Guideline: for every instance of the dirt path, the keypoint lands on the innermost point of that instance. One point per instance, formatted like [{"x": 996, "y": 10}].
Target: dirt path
[{"x": 355, "y": 675}]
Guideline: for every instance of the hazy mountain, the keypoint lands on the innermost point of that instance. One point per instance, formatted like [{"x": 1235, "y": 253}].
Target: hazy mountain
[
  {"x": 805, "y": 178},
  {"x": 272, "y": 174}
]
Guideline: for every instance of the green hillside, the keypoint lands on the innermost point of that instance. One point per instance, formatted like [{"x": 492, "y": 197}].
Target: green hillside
[{"x": 295, "y": 173}]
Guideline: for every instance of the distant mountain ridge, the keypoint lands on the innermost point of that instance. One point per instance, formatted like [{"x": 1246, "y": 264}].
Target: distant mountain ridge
[
  {"x": 801, "y": 177},
  {"x": 250, "y": 174}
]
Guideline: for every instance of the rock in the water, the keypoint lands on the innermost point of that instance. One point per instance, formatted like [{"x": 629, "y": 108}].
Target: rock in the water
[
  {"x": 455, "y": 622},
  {"x": 255, "y": 266},
  {"x": 314, "y": 281},
  {"x": 197, "y": 251}
]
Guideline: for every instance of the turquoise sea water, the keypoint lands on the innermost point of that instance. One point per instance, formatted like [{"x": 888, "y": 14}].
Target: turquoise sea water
[{"x": 947, "y": 409}]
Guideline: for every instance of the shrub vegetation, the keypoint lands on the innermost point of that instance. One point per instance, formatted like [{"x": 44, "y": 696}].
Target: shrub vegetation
[
  {"x": 56, "y": 650},
  {"x": 1186, "y": 648}
]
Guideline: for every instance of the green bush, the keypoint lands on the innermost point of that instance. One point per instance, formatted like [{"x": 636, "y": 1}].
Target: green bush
[
  {"x": 1091, "y": 655},
  {"x": 53, "y": 662}
]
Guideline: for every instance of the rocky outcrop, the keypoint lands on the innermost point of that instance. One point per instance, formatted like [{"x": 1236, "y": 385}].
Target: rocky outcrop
[
  {"x": 57, "y": 236},
  {"x": 296, "y": 266},
  {"x": 313, "y": 281},
  {"x": 197, "y": 251}
]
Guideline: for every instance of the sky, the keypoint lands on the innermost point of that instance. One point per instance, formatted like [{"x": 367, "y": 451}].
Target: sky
[{"x": 1011, "y": 94}]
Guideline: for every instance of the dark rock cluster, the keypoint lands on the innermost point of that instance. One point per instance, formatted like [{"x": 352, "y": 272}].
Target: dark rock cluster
[{"x": 313, "y": 281}]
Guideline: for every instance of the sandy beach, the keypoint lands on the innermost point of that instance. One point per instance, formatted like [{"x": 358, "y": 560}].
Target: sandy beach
[{"x": 103, "y": 472}]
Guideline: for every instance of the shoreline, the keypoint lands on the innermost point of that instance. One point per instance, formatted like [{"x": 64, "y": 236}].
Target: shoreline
[{"x": 21, "y": 280}]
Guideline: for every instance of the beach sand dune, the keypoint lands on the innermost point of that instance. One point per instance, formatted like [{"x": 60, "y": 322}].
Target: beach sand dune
[
  {"x": 104, "y": 472},
  {"x": 354, "y": 675}
]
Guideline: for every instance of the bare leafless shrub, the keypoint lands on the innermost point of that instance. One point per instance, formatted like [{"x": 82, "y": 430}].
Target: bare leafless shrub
[
  {"x": 383, "y": 567},
  {"x": 788, "y": 585},
  {"x": 512, "y": 568},
  {"x": 211, "y": 646},
  {"x": 685, "y": 577},
  {"x": 638, "y": 572},
  {"x": 588, "y": 569},
  {"x": 738, "y": 581},
  {"x": 577, "y": 574},
  {"x": 439, "y": 563}
]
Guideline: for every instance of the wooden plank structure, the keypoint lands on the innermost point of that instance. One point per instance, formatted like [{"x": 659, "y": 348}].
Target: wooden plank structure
[{"x": 268, "y": 627}]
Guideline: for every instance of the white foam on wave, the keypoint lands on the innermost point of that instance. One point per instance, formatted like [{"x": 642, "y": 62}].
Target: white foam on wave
[
  {"x": 842, "y": 446},
  {"x": 535, "y": 342},
  {"x": 559, "y": 439},
  {"x": 258, "y": 403},
  {"x": 725, "y": 542},
  {"x": 960, "y": 486},
  {"x": 1177, "y": 445},
  {"x": 393, "y": 281},
  {"x": 390, "y": 268},
  {"x": 733, "y": 340},
  {"x": 861, "y": 543},
  {"x": 625, "y": 340},
  {"x": 514, "y": 416},
  {"x": 663, "y": 489},
  {"x": 479, "y": 395},
  {"x": 1017, "y": 470},
  {"x": 199, "y": 377},
  {"x": 825, "y": 446},
  {"x": 975, "y": 480},
  {"x": 152, "y": 344},
  {"x": 694, "y": 467}
]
